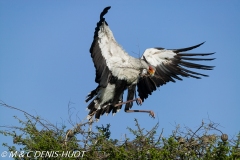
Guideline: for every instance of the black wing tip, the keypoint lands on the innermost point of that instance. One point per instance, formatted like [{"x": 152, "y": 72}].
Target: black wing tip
[
  {"x": 188, "y": 48},
  {"x": 105, "y": 10},
  {"x": 183, "y": 54}
]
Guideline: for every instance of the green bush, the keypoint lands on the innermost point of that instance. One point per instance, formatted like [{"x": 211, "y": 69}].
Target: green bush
[{"x": 35, "y": 137}]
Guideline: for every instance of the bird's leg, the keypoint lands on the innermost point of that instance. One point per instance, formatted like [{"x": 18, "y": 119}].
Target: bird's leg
[
  {"x": 139, "y": 101},
  {"x": 151, "y": 113}
]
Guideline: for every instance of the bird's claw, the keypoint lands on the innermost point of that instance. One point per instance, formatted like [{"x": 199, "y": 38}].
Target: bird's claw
[
  {"x": 151, "y": 113},
  {"x": 139, "y": 101}
]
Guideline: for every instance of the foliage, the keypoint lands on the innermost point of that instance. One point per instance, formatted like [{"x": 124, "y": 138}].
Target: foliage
[{"x": 41, "y": 139}]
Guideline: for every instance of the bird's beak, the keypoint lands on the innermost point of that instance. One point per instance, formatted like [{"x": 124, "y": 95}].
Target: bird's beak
[{"x": 151, "y": 71}]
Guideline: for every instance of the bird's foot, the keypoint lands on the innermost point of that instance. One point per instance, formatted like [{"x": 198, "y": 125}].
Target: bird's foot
[
  {"x": 151, "y": 113},
  {"x": 139, "y": 101}
]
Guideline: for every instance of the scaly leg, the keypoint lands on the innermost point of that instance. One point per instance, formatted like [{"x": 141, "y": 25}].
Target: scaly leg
[
  {"x": 136, "y": 99},
  {"x": 151, "y": 113}
]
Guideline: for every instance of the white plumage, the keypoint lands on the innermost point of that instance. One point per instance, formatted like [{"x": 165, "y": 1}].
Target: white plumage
[
  {"x": 157, "y": 57},
  {"x": 117, "y": 60}
]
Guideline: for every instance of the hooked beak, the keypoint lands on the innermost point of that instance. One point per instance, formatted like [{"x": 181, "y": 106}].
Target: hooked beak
[{"x": 151, "y": 71}]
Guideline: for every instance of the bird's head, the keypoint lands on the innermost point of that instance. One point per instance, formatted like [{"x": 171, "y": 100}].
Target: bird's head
[{"x": 151, "y": 70}]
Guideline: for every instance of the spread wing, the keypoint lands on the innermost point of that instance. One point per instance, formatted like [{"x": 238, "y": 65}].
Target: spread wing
[
  {"x": 106, "y": 53},
  {"x": 170, "y": 65}
]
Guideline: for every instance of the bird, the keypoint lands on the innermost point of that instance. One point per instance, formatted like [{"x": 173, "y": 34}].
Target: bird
[{"x": 117, "y": 71}]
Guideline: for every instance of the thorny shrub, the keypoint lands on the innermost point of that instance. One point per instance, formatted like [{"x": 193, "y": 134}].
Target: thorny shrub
[{"x": 35, "y": 134}]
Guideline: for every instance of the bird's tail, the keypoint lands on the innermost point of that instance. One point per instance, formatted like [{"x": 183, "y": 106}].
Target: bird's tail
[
  {"x": 97, "y": 110},
  {"x": 92, "y": 94}
]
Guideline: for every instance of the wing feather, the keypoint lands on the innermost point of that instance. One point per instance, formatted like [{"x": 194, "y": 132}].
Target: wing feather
[
  {"x": 107, "y": 55},
  {"x": 170, "y": 64}
]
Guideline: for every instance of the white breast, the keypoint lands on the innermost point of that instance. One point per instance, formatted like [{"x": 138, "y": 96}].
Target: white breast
[{"x": 106, "y": 94}]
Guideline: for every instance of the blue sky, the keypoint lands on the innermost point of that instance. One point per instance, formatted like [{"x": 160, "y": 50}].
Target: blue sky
[{"x": 45, "y": 61}]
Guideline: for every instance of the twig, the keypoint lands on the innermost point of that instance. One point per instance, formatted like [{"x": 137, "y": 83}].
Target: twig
[{"x": 11, "y": 107}]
